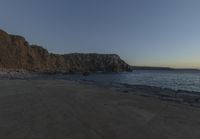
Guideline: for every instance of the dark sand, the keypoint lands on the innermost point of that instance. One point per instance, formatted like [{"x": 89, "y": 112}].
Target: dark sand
[{"x": 56, "y": 109}]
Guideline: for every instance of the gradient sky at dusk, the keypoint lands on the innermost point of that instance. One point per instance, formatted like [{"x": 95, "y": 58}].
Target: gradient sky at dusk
[{"x": 142, "y": 32}]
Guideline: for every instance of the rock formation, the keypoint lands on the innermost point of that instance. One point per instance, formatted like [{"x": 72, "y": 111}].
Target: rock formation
[{"x": 16, "y": 53}]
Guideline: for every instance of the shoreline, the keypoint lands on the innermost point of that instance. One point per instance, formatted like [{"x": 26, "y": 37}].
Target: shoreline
[{"x": 185, "y": 97}]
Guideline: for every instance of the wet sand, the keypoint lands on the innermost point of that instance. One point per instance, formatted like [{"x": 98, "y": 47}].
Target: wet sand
[{"x": 58, "y": 109}]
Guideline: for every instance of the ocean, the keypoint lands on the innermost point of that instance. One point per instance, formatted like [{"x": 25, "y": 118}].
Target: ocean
[{"x": 188, "y": 80}]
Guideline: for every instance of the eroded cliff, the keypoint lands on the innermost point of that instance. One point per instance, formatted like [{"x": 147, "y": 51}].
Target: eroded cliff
[{"x": 16, "y": 53}]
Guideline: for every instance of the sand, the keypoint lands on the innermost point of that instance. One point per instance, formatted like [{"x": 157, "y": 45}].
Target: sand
[{"x": 58, "y": 109}]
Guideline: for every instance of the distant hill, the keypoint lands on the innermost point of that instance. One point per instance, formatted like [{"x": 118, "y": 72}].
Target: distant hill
[
  {"x": 17, "y": 53},
  {"x": 161, "y": 68},
  {"x": 150, "y": 68}
]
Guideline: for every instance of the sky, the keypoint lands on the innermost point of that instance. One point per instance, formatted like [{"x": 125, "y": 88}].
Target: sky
[{"x": 143, "y": 32}]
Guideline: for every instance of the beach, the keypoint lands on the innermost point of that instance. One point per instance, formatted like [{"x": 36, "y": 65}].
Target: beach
[{"x": 58, "y": 109}]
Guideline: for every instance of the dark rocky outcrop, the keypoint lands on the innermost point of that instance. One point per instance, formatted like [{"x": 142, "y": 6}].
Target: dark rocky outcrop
[{"x": 16, "y": 53}]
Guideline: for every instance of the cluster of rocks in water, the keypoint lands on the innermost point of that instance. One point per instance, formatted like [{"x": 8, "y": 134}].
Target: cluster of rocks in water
[{"x": 16, "y": 53}]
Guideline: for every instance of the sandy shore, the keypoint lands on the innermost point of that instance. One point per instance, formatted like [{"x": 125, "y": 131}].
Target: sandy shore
[{"x": 57, "y": 109}]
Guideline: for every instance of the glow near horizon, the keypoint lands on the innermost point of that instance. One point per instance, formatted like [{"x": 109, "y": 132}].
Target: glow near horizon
[{"x": 142, "y": 32}]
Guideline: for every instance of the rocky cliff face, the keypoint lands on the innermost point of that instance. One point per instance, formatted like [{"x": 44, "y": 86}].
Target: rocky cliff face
[{"x": 17, "y": 53}]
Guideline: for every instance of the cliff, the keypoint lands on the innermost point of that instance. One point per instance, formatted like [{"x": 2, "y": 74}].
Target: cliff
[{"x": 16, "y": 53}]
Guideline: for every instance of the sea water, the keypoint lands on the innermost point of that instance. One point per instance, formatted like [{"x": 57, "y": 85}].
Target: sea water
[{"x": 174, "y": 79}]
